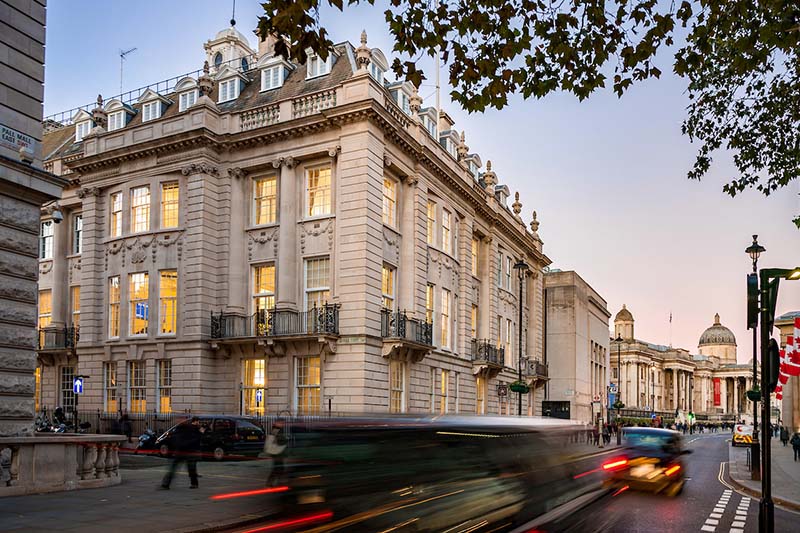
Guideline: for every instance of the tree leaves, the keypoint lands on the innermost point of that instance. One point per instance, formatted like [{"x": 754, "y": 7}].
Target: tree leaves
[{"x": 740, "y": 61}]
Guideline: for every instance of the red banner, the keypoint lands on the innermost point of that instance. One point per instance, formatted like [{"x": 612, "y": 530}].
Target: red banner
[{"x": 717, "y": 393}]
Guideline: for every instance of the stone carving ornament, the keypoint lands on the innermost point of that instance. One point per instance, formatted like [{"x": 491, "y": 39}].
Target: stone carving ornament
[
  {"x": 315, "y": 229},
  {"x": 199, "y": 168},
  {"x": 262, "y": 237},
  {"x": 83, "y": 192}
]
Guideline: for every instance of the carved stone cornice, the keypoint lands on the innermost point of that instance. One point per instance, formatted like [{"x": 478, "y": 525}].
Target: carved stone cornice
[
  {"x": 200, "y": 168},
  {"x": 236, "y": 173},
  {"x": 83, "y": 192}
]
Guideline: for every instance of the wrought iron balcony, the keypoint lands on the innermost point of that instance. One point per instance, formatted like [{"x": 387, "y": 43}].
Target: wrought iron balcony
[
  {"x": 317, "y": 321},
  {"x": 55, "y": 339},
  {"x": 487, "y": 352},
  {"x": 397, "y": 325},
  {"x": 535, "y": 369}
]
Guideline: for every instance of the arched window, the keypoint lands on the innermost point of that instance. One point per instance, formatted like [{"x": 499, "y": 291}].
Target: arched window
[
  {"x": 245, "y": 66},
  {"x": 217, "y": 59}
]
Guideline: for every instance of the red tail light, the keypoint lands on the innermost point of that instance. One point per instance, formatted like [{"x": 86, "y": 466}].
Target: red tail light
[
  {"x": 325, "y": 515},
  {"x": 672, "y": 470},
  {"x": 615, "y": 464}
]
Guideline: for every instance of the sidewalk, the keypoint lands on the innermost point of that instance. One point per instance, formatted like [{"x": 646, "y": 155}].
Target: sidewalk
[
  {"x": 137, "y": 504},
  {"x": 785, "y": 474}
]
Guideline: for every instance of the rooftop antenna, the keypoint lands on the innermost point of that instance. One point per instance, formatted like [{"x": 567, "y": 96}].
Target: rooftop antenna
[
  {"x": 122, "y": 54},
  {"x": 233, "y": 14},
  {"x": 438, "y": 86}
]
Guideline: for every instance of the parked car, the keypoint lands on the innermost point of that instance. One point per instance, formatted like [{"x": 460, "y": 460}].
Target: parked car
[
  {"x": 652, "y": 461},
  {"x": 224, "y": 437}
]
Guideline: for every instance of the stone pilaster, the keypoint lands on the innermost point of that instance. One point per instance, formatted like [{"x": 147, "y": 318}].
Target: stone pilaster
[
  {"x": 60, "y": 294},
  {"x": 93, "y": 295},
  {"x": 408, "y": 251},
  {"x": 237, "y": 266},
  {"x": 288, "y": 265}
]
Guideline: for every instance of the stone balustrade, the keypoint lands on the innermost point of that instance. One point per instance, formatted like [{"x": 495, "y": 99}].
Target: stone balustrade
[
  {"x": 305, "y": 105},
  {"x": 52, "y": 463},
  {"x": 260, "y": 117}
]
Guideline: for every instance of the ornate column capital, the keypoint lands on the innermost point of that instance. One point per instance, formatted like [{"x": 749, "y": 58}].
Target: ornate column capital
[
  {"x": 83, "y": 192},
  {"x": 199, "y": 168},
  {"x": 236, "y": 173},
  {"x": 334, "y": 151}
]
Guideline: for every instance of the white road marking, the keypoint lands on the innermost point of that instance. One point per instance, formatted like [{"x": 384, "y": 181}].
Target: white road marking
[
  {"x": 712, "y": 521},
  {"x": 738, "y": 524},
  {"x": 736, "y": 530},
  {"x": 715, "y": 515},
  {"x": 708, "y": 528}
]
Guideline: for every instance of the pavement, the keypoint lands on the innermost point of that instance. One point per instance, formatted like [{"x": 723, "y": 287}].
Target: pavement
[{"x": 785, "y": 474}]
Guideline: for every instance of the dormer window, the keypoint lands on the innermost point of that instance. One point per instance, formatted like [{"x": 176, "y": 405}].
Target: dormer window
[
  {"x": 272, "y": 77},
  {"x": 317, "y": 67},
  {"x": 82, "y": 129},
  {"x": 430, "y": 125},
  {"x": 376, "y": 72},
  {"x": 151, "y": 111},
  {"x": 217, "y": 59},
  {"x": 402, "y": 101},
  {"x": 187, "y": 100},
  {"x": 116, "y": 120},
  {"x": 228, "y": 90}
]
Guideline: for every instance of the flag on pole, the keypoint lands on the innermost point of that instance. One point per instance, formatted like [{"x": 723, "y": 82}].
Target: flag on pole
[{"x": 792, "y": 357}]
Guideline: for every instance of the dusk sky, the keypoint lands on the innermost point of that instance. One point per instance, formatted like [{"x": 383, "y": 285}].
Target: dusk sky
[{"x": 607, "y": 177}]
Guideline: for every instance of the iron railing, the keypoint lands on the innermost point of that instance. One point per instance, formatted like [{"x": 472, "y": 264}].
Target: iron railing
[
  {"x": 323, "y": 320},
  {"x": 397, "y": 325},
  {"x": 485, "y": 351},
  {"x": 58, "y": 338}
]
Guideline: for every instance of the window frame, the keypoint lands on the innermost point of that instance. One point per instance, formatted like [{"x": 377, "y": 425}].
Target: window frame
[
  {"x": 229, "y": 88},
  {"x": 430, "y": 214},
  {"x": 138, "y": 208},
  {"x": 444, "y": 315},
  {"x": 267, "y": 73},
  {"x": 66, "y": 394},
  {"x": 480, "y": 395},
  {"x": 46, "y": 239},
  {"x": 116, "y": 120},
  {"x": 508, "y": 272},
  {"x": 251, "y": 369},
  {"x": 326, "y": 207},
  {"x": 397, "y": 386},
  {"x": 317, "y": 289},
  {"x": 137, "y": 382},
  {"x": 164, "y": 384},
  {"x": 115, "y": 214},
  {"x": 75, "y": 310},
  {"x": 389, "y": 202},
  {"x": 110, "y": 387},
  {"x": 447, "y": 232},
  {"x": 151, "y": 110},
  {"x": 77, "y": 233},
  {"x": 114, "y": 307},
  {"x": 316, "y": 67},
  {"x": 82, "y": 129},
  {"x": 133, "y": 302},
  {"x": 309, "y": 386},
  {"x": 44, "y": 315},
  {"x": 474, "y": 321},
  {"x": 269, "y": 202},
  {"x": 388, "y": 285},
  {"x": 475, "y": 254},
  {"x": 444, "y": 391},
  {"x": 430, "y": 302},
  {"x": 183, "y": 105},
  {"x": 267, "y": 297},
  {"x": 165, "y": 300},
  {"x": 170, "y": 208}
]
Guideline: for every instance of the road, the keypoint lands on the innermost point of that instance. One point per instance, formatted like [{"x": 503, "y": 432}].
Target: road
[{"x": 708, "y": 501}]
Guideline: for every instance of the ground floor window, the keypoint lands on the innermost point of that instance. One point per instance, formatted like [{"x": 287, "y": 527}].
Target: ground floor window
[
  {"x": 308, "y": 384},
  {"x": 110, "y": 386},
  {"x": 254, "y": 386},
  {"x": 37, "y": 391},
  {"x": 397, "y": 390},
  {"x": 444, "y": 386},
  {"x": 137, "y": 387},
  {"x": 480, "y": 395},
  {"x": 165, "y": 386},
  {"x": 67, "y": 396}
]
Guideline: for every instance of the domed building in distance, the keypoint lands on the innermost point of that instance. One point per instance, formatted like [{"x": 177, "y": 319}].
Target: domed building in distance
[{"x": 653, "y": 378}]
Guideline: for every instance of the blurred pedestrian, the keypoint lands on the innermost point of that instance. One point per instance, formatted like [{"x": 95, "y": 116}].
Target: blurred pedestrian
[
  {"x": 784, "y": 435},
  {"x": 188, "y": 436},
  {"x": 125, "y": 426},
  {"x": 275, "y": 445},
  {"x": 796, "y": 445}
]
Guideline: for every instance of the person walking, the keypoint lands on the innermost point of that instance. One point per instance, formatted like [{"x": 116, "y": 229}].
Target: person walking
[
  {"x": 784, "y": 435},
  {"x": 187, "y": 448},
  {"x": 796, "y": 445},
  {"x": 275, "y": 447}
]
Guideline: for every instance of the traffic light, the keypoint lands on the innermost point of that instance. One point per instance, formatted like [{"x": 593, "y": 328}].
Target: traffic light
[
  {"x": 773, "y": 363},
  {"x": 752, "y": 301}
]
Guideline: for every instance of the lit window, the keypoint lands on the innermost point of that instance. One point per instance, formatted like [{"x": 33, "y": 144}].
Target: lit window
[
  {"x": 140, "y": 209},
  {"x": 429, "y": 304},
  {"x": 46, "y": 240},
  {"x": 65, "y": 388},
  {"x": 272, "y": 78},
  {"x": 508, "y": 273},
  {"x": 433, "y": 390},
  {"x": 139, "y": 309},
  {"x": 444, "y": 387},
  {"x": 445, "y": 314},
  {"x": 254, "y": 384},
  {"x": 137, "y": 386},
  {"x": 509, "y": 342},
  {"x": 447, "y": 243},
  {"x": 265, "y": 200},
  {"x": 389, "y": 202},
  {"x": 168, "y": 301},
  {"x": 397, "y": 387},
  {"x": 228, "y": 90},
  {"x": 387, "y": 286},
  {"x": 116, "y": 120},
  {"x": 115, "y": 228},
  {"x": 75, "y": 302},
  {"x": 37, "y": 389},
  {"x": 113, "y": 306},
  {"x": 82, "y": 129},
  {"x": 263, "y": 290},
  {"x": 110, "y": 386},
  {"x": 164, "y": 386},
  {"x": 77, "y": 234},
  {"x": 500, "y": 258},
  {"x": 151, "y": 111},
  {"x": 480, "y": 395},
  {"x": 317, "y": 282},
  {"x": 187, "y": 100},
  {"x": 431, "y": 222},
  {"x": 308, "y": 384},
  {"x": 170, "y": 196},
  {"x": 318, "y": 191},
  {"x": 474, "y": 321},
  {"x": 45, "y": 308},
  {"x": 317, "y": 67},
  {"x": 475, "y": 247}
]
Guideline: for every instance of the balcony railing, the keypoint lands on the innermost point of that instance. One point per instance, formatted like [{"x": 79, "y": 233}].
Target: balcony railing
[
  {"x": 485, "y": 351},
  {"x": 58, "y": 338},
  {"x": 536, "y": 369},
  {"x": 397, "y": 325},
  {"x": 323, "y": 320}
]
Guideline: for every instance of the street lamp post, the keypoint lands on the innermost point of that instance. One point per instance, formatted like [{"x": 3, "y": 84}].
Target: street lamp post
[
  {"x": 618, "y": 403},
  {"x": 522, "y": 268},
  {"x": 754, "y": 251}
]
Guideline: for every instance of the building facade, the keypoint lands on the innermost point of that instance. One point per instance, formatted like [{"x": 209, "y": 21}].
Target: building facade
[
  {"x": 265, "y": 236},
  {"x": 577, "y": 347},
  {"x": 24, "y": 188},
  {"x": 711, "y": 384}
]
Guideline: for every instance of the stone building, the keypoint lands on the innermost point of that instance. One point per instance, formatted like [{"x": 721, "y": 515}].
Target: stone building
[
  {"x": 577, "y": 347},
  {"x": 710, "y": 384},
  {"x": 24, "y": 188},
  {"x": 266, "y": 236}
]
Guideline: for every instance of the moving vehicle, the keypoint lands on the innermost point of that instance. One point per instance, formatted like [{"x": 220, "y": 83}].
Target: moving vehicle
[
  {"x": 431, "y": 474},
  {"x": 742, "y": 435},
  {"x": 651, "y": 460},
  {"x": 223, "y": 437}
]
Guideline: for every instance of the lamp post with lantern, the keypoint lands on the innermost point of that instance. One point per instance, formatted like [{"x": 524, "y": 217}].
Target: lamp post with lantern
[
  {"x": 522, "y": 269},
  {"x": 754, "y": 251}
]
